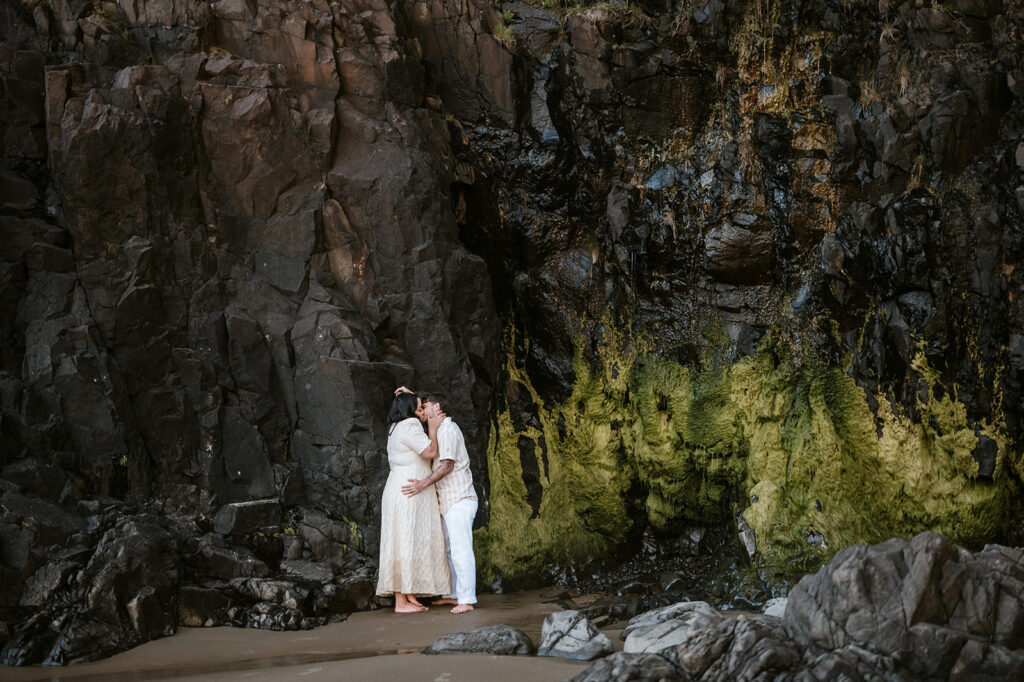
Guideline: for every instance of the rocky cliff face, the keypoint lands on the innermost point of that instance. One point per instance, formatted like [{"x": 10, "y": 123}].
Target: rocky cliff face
[
  {"x": 678, "y": 264},
  {"x": 760, "y": 267},
  {"x": 228, "y": 230}
]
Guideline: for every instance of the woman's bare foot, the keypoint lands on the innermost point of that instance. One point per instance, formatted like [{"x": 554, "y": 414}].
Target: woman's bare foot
[
  {"x": 407, "y": 608},
  {"x": 445, "y": 600},
  {"x": 407, "y": 604},
  {"x": 462, "y": 608}
]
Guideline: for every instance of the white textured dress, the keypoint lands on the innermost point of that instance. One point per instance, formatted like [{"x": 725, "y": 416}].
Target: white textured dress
[{"x": 412, "y": 551}]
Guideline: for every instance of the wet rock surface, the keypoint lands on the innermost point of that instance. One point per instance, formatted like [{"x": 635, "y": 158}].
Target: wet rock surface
[
  {"x": 501, "y": 640},
  {"x": 833, "y": 187}
]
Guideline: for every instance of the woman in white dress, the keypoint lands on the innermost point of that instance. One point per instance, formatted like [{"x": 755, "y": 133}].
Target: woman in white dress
[{"x": 412, "y": 550}]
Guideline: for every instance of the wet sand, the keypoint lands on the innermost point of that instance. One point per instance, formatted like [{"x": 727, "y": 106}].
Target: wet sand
[{"x": 375, "y": 645}]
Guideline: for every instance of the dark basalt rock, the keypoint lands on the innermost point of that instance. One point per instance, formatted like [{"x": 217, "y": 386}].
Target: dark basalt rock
[
  {"x": 125, "y": 595},
  {"x": 242, "y": 518},
  {"x": 611, "y": 609},
  {"x": 202, "y": 607},
  {"x": 219, "y": 560},
  {"x": 227, "y": 342},
  {"x": 492, "y": 639},
  {"x": 307, "y": 571}
]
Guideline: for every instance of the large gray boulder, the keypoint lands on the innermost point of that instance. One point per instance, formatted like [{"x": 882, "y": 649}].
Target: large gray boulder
[
  {"x": 491, "y": 639},
  {"x": 934, "y": 607},
  {"x": 568, "y": 634},
  {"x": 668, "y": 626},
  {"x": 775, "y": 607}
]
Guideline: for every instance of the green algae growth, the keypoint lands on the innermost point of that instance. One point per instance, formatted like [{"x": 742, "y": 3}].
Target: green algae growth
[{"x": 794, "y": 448}]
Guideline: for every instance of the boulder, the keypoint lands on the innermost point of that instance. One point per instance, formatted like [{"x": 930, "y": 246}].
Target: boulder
[
  {"x": 123, "y": 596},
  {"x": 270, "y": 591},
  {"x": 49, "y": 523},
  {"x": 39, "y": 588},
  {"x": 929, "y": 604},
  {"x": 307, "y": 571},
  {"x": 491, "y": 639},
  {"x": 568, "y": 634},
  {"x": 271, "y": 616},
  {"x": 737, "y": 648},
  {"x": 611, "y": 609},
  {"x": 216, "y": 559},
  {"x": 664, "y": 635},
  {"x": 351, "y": 593},
  {"x": 681, "y": 612}
]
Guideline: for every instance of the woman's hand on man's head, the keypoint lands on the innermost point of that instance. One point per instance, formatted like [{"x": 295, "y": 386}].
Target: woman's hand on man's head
[{"x": 402, "y": 389}]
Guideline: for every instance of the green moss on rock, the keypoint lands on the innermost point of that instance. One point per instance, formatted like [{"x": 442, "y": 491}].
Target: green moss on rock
[{"x": 794, "y": 447}]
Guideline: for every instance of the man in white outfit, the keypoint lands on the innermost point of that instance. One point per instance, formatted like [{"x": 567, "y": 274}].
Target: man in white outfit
[{"x": 453, "y": 482}]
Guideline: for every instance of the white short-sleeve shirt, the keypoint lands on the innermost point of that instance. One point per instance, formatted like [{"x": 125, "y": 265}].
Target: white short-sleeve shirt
[{"x": 458, "y": 485}]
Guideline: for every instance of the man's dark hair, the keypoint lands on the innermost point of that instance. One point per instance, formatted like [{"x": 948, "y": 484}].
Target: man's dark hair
[
  {"x": 442, "y": 401},
  {"x": 402, "y": 407}
]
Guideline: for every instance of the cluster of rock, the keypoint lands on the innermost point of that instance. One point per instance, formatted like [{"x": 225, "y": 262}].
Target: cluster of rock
[
  {"x": 110, "y": 576},
  {"x": 921, "y": 609}
]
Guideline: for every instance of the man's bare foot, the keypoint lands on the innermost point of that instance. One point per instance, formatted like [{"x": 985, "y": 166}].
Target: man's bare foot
[
  {"x": 445, "y": 601},
  {"x": 462, "y": 608}
]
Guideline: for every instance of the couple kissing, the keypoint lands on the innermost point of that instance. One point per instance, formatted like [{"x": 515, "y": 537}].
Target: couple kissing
[{"x": 428, "y": 507}]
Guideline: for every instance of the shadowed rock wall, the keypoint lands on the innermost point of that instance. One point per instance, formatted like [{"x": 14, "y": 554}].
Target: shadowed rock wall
[{"x": 227, "y": 235}]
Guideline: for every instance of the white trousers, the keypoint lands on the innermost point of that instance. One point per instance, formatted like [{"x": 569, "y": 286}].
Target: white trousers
[{"x": 458, "y": 535}]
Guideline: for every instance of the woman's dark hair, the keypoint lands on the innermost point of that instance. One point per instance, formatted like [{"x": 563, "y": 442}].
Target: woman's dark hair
[{"x": 402, "y": 407}]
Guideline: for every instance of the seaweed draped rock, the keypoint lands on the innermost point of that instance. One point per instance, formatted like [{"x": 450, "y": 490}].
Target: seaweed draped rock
[{"x": 796, "y": 449}]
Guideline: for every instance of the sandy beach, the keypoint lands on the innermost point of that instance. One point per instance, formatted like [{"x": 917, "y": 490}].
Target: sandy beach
[{"x": 374, "y": 645}]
